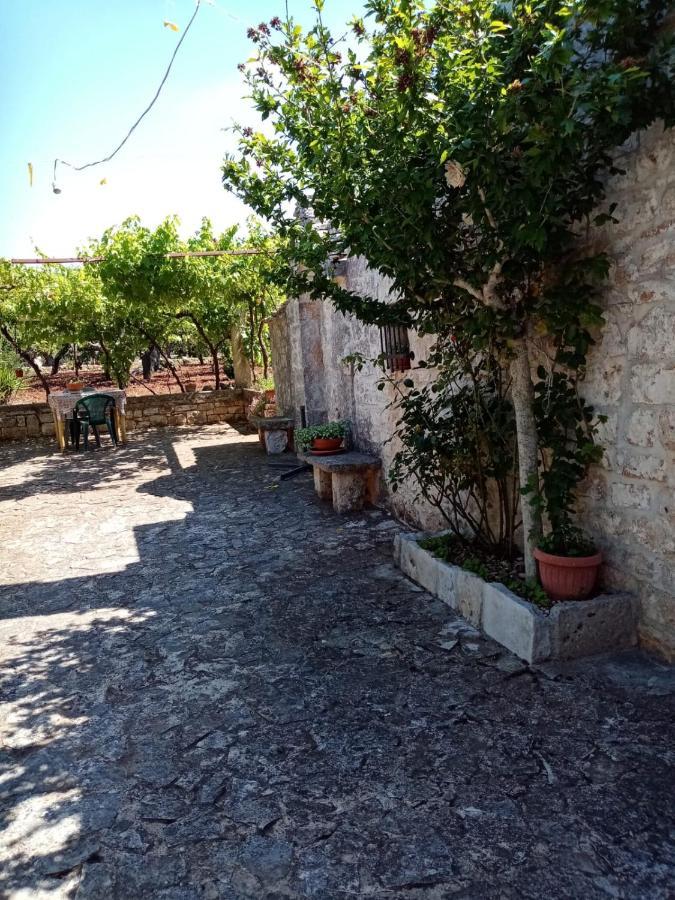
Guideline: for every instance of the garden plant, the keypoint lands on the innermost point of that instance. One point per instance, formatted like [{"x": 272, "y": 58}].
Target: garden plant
[{"x": 464, "y": 150}]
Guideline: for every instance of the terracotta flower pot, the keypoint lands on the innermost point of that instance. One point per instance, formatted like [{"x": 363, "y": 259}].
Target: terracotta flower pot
[
  {"x": 327, "y": 445},
  {"x": 75, "y": 385},
  {"x": 568, "y": 577}
]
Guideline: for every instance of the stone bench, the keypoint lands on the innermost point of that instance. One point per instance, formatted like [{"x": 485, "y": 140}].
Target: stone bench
[
  {"x": 275, "y": 432},
  {"x": 348, "y": 479}
]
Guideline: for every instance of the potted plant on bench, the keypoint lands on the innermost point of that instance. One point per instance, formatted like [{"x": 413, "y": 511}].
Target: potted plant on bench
[{"x": 321, "y": 439}]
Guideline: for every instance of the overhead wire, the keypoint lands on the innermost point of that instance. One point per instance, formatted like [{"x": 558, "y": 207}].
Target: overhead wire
[{"x": 105, "y": 159}]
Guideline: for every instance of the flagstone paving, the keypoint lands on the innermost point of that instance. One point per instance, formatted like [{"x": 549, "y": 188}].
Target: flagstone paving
[{"x": 211, "y": 686}]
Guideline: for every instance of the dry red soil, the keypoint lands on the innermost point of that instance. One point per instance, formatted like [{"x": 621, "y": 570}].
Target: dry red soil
[{"x": 162, "y": 382}]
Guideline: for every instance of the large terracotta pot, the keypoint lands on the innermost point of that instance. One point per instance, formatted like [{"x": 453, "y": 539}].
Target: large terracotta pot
[
  {"x": 568, "y": 577},
  {"x": 326, "y": 445}
]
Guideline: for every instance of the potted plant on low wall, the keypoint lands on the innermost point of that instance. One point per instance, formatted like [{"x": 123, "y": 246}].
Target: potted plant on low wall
[
  {"x": 321, "y": 439},
  {"x": 568, "y": 564}
]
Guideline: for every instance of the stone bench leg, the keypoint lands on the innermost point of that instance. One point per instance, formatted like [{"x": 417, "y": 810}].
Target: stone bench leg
[
  {"x": 276, "y": 441},
  {"x": 349, "y": 491},
  {"x": 323, "y": 484}
]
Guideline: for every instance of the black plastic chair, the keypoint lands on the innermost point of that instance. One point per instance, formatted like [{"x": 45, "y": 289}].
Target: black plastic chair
[{"x": 90, "y": 412}]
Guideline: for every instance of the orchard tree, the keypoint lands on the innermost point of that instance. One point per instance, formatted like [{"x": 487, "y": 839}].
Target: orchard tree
[
  {"x": 207, "y": 293},
  {"x": 139, "y": 280},
  {"x": 41, "y": 313},
  {"x": 259, "y": 278},
  {"x": 460, "y": 148}
]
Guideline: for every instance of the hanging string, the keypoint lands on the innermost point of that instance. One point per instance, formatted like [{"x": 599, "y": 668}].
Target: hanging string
[{"x": 138, "y": 120}]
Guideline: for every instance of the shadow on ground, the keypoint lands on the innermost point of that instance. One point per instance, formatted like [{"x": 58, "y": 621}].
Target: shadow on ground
[{"x": 213, "y": 687}]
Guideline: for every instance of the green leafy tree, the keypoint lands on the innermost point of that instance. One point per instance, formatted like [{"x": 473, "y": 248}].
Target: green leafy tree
[
  {"x": 259, "y": 280},
  {"x": 28, "y": 298},
  {"x": 140, "y": 283},
  {"x": 459, "y": 147}
]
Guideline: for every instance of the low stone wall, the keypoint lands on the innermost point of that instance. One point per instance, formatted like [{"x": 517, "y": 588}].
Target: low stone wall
[{"x": 33, "y": 420}]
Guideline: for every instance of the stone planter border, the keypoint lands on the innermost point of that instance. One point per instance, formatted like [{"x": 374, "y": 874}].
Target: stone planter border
[{"x": 566, "y": 631}]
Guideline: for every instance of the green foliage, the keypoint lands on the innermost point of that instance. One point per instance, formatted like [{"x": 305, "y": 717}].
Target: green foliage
[
  {"x": 447, "y": 140},
  {"x": 264, "y": 384},
  {"x": 10, "y": 382},
  {"x": 458, "y": 552},
  {"x": 461, "y": 148},
  {"x": 567, "y": 540},
  {"x": 530, "y": 590},
  {"x": 457, "y": 439},
  {"x": 305, "y": 436},
  {"x": 139, "y": 296}
]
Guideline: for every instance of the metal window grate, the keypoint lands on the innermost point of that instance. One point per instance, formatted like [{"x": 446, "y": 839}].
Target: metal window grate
[{"x": 395, "y": 348}]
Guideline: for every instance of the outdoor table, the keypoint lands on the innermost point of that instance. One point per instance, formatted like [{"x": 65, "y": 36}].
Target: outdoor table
[{"x": 62, "y": 404}]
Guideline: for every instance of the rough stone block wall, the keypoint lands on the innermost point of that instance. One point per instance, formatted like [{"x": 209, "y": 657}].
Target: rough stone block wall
[
  {"x": 34, "y": 420},
  {"x": 629, "y": 501},
  {"x": 25, "y": 420},
  {"x": 198, "y": 408}
]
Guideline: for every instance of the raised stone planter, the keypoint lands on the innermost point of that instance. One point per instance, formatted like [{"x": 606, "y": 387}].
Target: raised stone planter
[{"x": 566, "y": 631}]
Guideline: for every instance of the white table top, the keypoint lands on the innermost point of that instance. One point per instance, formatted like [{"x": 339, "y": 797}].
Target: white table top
[{"x": 63, "y": 402}]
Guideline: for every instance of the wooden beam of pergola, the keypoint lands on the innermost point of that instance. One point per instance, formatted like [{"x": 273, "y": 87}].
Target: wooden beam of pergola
[{"x": 64, "y": 260}]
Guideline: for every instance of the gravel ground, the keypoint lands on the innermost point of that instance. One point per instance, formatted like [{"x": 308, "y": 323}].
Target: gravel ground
[{"x": 211, "y": 686}]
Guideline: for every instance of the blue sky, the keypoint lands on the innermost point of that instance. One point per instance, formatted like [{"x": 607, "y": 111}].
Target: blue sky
[{"x": 75, "y": 74}]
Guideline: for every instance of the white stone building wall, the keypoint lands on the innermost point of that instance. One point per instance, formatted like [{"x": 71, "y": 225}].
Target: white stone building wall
[{"x": 628, "y": 502}]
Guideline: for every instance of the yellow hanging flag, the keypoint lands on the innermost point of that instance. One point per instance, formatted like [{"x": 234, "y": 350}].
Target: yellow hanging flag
[
  {"x": 103, "y": 181},
  {"x": 171, "y": 25},
  {"x": 30, "y": 174}
]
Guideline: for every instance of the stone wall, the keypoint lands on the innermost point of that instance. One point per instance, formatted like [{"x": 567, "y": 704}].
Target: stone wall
[
  {"x": 309, "y": 342},
  {"x": 32, "y": 420},
  {"x": 628, "y": 503}
]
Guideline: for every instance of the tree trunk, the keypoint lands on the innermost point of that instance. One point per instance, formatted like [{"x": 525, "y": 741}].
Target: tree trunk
[
  {"x": 25, "y": 355},
  {"x": 77, "y": 361},
  {"x": 213, "y": 348},
  {"x": 170, "y": 366},
  {"x": 165, "y": 356},
  {"x": 107, "y": 364},
  {"x": 216, "y": 366},
  {"x": 251, "y": 343},
  {"x": 242, "y": 370},
  {"x": 263, "y": 348},
  {"x": 522, "y": 395},
  {"x": 58, "y": 359},
  {"x": 148, "y": 361}
]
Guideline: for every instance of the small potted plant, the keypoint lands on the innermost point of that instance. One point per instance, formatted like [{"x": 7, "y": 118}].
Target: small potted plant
[
  {"x": 321, "y": 439},
  {"x": 568, "y": 564}
]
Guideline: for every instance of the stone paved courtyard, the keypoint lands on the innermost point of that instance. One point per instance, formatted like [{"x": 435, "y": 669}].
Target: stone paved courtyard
[{"x": 213, "y": 687}]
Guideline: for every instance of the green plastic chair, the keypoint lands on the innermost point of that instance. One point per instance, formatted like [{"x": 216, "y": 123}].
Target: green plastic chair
[{"x": 90, "y": 412}]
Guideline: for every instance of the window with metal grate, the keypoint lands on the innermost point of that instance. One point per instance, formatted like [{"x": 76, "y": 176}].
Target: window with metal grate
[{"x": 395, "y": 348}]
